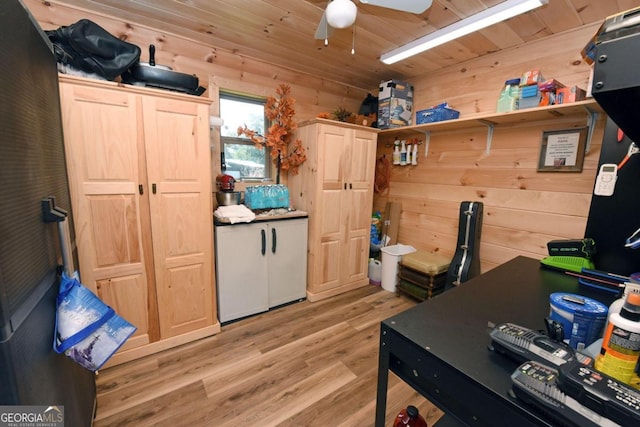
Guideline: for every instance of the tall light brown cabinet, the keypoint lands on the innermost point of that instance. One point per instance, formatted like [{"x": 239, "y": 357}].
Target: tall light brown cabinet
[
  {"x": 335, "y": 187},
  {"x": 139, "y": 171}
]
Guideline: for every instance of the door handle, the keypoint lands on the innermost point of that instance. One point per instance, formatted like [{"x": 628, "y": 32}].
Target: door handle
[
  {"x": 273, "y": 240},
  {"x": 153, "y": 188},
  {"x": 264, "y": 242},
  {"x": 140, "y": 189}
]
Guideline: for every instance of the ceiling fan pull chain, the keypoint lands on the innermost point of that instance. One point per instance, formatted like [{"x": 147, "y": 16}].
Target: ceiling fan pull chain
[
  {"x": 353, "y": 39},
  {"x": 326, "y": 33}
]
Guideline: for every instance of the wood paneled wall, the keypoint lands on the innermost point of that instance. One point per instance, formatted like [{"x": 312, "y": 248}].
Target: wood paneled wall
[
  {"x": 216, "y": 68},
  {"x": 523, "y": 208}
]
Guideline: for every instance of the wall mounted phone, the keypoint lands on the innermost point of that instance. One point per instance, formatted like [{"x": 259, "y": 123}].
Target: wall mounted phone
[{"x": 606, "y": 179}]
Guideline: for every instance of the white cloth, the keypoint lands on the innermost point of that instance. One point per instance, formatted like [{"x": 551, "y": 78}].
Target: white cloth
[{"x": 235, "y": 213}]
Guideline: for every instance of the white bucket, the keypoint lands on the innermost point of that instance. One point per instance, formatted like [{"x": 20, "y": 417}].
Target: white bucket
[{"x": 391, "y": 256}]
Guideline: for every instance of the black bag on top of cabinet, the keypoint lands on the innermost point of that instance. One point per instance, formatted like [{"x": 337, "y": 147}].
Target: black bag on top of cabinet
[
  {"x": 162, "y": 77},
  {"x": 88, "y": 47}
]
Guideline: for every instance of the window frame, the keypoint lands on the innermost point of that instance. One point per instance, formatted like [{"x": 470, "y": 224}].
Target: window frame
[{"x": 236, "y": 96}]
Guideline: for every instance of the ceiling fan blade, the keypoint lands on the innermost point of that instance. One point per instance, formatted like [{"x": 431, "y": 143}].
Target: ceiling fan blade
[
  {"x": 412, "y": 6},
  {"x": 324, "y": 30}
]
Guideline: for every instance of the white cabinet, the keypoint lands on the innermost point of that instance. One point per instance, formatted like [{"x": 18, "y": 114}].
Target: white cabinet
[
  {"x": 287, "y": 252},
  {"x": 241, "y": 270},
  {"x": 260, "y": 265}
]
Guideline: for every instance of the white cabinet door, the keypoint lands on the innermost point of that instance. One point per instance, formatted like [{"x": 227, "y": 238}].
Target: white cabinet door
[
  {"x": 242, "y": 270},
  {"x": 288, "y": 261}
]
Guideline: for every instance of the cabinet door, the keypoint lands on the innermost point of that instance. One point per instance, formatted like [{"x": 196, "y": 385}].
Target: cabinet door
[
  {"x": 288, "y": 260},
  {"x": 359, "y": 161},
  {"x": 179, "y": 176},
  {"x": 330, "y": 207},
  {"x": 242, "y": 254},
  {"x": 103, "y": 164}
]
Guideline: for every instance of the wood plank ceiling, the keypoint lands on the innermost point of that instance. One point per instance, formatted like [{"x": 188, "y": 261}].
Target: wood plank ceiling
[{"x": 282, "y": 31}]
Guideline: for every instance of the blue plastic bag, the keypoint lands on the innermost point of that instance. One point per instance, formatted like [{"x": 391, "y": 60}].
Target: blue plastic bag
[{"x": 87, "y": 330}]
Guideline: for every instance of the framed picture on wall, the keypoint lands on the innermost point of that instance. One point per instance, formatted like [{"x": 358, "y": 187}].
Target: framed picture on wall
[{"x": 562, "y": 150}]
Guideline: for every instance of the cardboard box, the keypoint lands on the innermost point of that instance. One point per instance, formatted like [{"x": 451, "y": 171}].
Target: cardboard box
[
  {"x": 549, "y": 85},
  {"x": 395, "y": 104},
  {"x": 529, "y": 91},
  {"x": 566, "y": 95},
  {"x": 548, "y": 97},
  {"x": 547, "y": 90},
  {"x": 531, "y": 77},
  {"x": 391, "y": 226},
  {"x": 529, "y": 97},
  {"x": 530, "y": 102},
  {"x": 588, "y": 52}
]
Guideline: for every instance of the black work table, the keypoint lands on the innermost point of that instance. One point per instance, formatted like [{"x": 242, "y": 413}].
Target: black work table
[{"x": 440, "y": 346}]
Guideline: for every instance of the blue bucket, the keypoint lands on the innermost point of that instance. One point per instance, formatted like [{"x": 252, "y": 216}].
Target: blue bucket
[{"x": 582, "y": 318}]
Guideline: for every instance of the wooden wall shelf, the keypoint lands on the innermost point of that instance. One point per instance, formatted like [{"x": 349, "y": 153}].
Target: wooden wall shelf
[
  {"x": 519, "y": 116},
  {"x": 589, "y": 108}
]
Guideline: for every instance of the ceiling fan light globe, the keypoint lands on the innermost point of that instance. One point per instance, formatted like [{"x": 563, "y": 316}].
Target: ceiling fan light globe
[{"x": 341, "y": 13}]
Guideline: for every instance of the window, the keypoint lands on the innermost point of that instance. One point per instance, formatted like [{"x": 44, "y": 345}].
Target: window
[{"x": 242, "y": 158}]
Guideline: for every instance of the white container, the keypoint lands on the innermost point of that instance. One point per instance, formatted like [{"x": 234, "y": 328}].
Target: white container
[
  {"x": 620, "y": 345},
  {"x": 391, "y": 256},
  {"x": 633, "y": 286},
  {"x": 403, "y": 153},
  {"x": 396, "y": 153},
  {"x": 582, "y": 318},
  {"x": 375, "y": 272}
]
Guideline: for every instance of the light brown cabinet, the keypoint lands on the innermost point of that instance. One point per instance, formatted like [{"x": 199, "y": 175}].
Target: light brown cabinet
[
  {"x": 139, "y": 171},
  {"x": 335, "y": 187}
]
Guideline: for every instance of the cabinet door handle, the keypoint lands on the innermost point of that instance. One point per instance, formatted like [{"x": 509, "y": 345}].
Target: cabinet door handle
[
  {"x": 273, "y": 241},
  {"x": 153, "y": 188},
  {"x": 140, "y": 189},
  {"x": 264, "y": 242},
  {"x": 351, "y": 186},
  {"x": 345, "y": 185}
]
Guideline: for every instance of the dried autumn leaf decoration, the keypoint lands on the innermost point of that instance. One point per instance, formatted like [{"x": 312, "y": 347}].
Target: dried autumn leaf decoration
[{"x": 288, "y": 155}]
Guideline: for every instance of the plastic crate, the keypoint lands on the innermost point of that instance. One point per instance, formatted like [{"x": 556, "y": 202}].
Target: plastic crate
[{"x": 436, "y": 114}]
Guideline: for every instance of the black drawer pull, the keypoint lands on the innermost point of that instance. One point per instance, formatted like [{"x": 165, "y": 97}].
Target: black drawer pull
[{"x": 273, "y": 241}]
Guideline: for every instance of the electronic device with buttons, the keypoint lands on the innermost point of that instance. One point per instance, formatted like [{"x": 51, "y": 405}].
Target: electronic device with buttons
[
  {"x": 606, "y": 180},
  {"x": 524, "y": 344},
  {"x": 537, "y": 385},
  {"x": 601, "y": 393}
]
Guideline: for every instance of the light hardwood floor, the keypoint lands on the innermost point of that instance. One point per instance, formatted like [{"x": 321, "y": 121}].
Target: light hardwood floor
[{"x": 306, "y": 364}]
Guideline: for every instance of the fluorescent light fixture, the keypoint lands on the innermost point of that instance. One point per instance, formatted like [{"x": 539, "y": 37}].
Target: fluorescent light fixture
[{"x": 480, "y": 20}]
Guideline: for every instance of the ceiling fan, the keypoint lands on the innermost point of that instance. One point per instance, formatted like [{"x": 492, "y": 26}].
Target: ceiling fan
[{"x": 342, "y": 13}]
